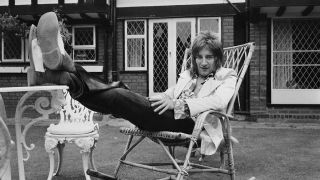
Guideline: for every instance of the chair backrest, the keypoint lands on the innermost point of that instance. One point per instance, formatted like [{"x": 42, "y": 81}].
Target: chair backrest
[
  {"x": 74, "y": 112},
  {"x": 5, "y": 147},
  {"x": 237, "y": 58}
]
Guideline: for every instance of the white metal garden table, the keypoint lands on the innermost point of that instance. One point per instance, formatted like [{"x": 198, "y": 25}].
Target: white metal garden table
[{"x": 43, "y": 105}]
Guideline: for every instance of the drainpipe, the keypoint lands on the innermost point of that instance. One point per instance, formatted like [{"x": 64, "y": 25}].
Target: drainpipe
[
  {"x": 115, "y": 75},
  {"x": 247, "y": 14}
]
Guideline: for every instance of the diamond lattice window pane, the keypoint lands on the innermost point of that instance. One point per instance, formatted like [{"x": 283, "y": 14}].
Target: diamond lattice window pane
[
  {"x": 84, "y": 54},
  {"x": 135, "y": 52},
  {"x": 84, "y": 45},
  {"x": 68, "y": 47},
  {"x": 296, "y": 54},
  {"x": 135, "y": 28},
  {"x": 68, "y": 44},
  {"x": 183, "y": 41},
  {"x": 209, "y": 25},
  {"x": 83, "y": 36},
  {"x": 160, "y": 57},
  {"x": 12, "y": 46}
]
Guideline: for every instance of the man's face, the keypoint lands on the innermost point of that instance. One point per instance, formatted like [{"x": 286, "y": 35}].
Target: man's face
[{"x": 205, "y": 62}]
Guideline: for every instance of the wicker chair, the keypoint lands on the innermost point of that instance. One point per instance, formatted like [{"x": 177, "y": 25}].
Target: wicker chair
[
  {"x": 75, "y": 126},
  {"x": 6, "y": 145},
  {"x": 238, "y": 58}
]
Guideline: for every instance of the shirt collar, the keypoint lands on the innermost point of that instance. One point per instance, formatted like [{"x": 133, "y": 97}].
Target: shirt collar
[{"x": 211, "y": 75}]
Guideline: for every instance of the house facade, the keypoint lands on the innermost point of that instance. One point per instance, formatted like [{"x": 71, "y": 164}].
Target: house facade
[
  {"x": 90, "y": 27},
  {"x": 152, "y": 37},
  {"x": 285, "y": 71},
  {"x": 142, "y": 43}
]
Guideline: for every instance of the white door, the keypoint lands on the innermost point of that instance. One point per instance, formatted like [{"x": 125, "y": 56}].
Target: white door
[{"x": 168, "y": 39}]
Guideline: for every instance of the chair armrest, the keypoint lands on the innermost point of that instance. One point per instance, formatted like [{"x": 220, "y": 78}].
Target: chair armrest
[{"x": 223, "y": 117}]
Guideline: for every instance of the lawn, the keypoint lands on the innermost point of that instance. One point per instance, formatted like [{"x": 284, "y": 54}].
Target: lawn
[{"x": 263, "y": 153}]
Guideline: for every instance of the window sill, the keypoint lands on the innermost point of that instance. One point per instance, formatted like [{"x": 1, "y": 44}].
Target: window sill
[
  {"x": 96, "y": 69},
  {"x": 295, "y": 96}
]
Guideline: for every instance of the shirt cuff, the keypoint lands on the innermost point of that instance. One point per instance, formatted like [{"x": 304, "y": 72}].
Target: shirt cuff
[{"x": 181, "y": 109}]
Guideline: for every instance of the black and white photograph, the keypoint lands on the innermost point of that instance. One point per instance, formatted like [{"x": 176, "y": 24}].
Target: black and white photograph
[{"x": 159, "y": 89}]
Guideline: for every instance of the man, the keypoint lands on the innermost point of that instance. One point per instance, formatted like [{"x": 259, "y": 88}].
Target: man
[{"x": 206, "y": 86}]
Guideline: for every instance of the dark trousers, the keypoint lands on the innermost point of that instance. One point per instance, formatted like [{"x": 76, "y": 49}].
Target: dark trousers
[{"x": 114, "y": 99}]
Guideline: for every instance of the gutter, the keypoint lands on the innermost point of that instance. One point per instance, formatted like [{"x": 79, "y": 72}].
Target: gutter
[{"x": 114, "y": 71}]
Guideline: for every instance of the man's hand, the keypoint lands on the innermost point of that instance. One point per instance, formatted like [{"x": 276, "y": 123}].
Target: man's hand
[{"x": 162, "y": 102}]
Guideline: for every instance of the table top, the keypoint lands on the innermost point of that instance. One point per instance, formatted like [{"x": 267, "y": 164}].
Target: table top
[{"x": 32, "y": 88}]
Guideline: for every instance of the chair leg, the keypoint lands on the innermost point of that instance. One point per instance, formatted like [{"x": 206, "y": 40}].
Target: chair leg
[
  {"x": 93, "y": 165},
  {"x": 126, "y": 149},
  {"x": 86, "y": 145},
  {"x": 85, "y": 162},
  {"x": 186, "y": 162},
  {"x": 60, "y": 147},
  {"x": 51, "y": 158},
  {"x": 231, "y": 162},
  {"x": 50, "y": 144},
  {"x": 222, "y": 159},
  {"x": 172, "y": 151},
  {"x": 193, "y": 154}
]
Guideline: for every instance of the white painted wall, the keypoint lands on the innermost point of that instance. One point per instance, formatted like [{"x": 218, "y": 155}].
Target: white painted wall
[
  {"x": 22, "y": 2},
  {"x": 137, "y": 3},
  {"x": 25, "y": 69},
  {"x": 47, "y": 1},
  {"x": 70, "y": 1},
  {"x": 4, "y": 2}
]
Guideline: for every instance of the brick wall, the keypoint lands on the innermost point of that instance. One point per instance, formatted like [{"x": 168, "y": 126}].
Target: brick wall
[
  {"x": 136, "y": 81},
  {"x": 120, "y": 45},
  {"x": 11, "y": 99},
  {"x": 258, "y": 68},
  {"x": 227, "y": 31},
  {"x": 258, "y": 86},
  {"x": 101, "y": 37}
]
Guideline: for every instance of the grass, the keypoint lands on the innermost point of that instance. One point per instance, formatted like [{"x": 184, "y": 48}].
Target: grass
[{"x": 263, "y": 153}]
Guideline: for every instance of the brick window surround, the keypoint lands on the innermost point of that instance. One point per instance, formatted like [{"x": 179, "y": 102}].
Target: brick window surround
[
  {"x": 11, "y": 48},
  {"x": 83, "y": 43},
  {"x": 295, "y": 61},
  {"x": 135, "y": 45}
]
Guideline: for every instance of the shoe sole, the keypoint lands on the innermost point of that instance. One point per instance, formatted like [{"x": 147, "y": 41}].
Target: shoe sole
[{"x": 47, "y": 33}]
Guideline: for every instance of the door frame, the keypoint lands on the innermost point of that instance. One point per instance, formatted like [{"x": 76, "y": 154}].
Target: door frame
[{"x": 171, "y": 48}]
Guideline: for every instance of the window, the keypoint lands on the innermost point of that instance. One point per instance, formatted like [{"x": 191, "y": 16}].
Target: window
[
  {"x": 212, "y": 24},
  {"x": 11, "y": 48},
  {"x": 135, "y": 45},
  {"x": 295, "y": 65},
  {"x": 83, "y": 43}
]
